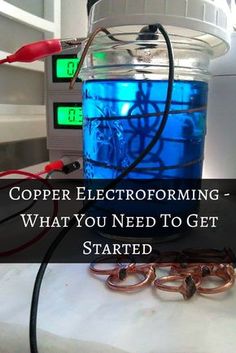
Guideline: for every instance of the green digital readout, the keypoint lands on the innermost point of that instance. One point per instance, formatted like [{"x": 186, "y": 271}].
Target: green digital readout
[
  {"x": 66, "y": 67},
  {"x": 69, "y": 116}
]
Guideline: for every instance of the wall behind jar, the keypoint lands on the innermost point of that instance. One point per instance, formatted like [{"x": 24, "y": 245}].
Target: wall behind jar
[{"x": 22, "y": 93}]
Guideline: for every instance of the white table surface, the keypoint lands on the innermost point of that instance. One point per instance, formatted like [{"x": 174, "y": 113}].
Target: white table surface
[
  {"x": 75, "y": 305},
  {"x": 77, "y": 313}
]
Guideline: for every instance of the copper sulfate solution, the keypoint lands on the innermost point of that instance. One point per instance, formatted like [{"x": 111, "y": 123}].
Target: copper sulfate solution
[{"x": 117, "y": 128}]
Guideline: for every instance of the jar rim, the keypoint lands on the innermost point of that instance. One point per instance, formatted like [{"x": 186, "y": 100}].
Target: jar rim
[
  {"x": 211, "y": 19},
  {"x": 101, "y": 42}
]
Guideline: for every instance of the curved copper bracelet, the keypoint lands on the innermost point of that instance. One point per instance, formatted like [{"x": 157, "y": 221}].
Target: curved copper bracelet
[
  {"x": 117, "y": 270},
  {"x": 225, "y": 272},
  {"x": 188, "y": 287},
  {"x": 148, "y": 274}
]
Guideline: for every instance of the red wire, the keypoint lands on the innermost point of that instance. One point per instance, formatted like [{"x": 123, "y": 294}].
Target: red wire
[
  {"x": 41, "y": 173},
  {"x": 46, "y": 230},
  {"x": 18, "y": 182},
  {"x": 34, "y": 51},
  {"x": 55, "y": 165},
  {"x": 3, "y": 61},
  {"x": 21, "y": 172}
]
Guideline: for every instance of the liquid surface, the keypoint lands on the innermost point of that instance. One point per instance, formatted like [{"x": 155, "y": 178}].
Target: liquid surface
[{"x": 114, "y": 136}]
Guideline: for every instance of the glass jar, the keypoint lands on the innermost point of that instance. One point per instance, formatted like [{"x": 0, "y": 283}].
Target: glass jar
[
  {"x": 124, "y": 77},
  {"x": 125, "y": 81}
]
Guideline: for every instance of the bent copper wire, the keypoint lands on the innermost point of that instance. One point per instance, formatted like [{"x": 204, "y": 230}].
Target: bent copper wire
[
  {"x": 118, "y": 269},
  {"x": 188, "y": 286},
  {"x": 85, "y": 51},
  {"x": 148, "y": 275},
  {"x": 224, "y": 272}
]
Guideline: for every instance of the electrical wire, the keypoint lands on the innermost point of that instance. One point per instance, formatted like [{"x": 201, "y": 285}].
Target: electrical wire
[
  {"x": 65, "y": 231},
  {"x": 141, "y": 170},
  {"x": 56, "y": 166},
  {"x": 41, "y": 49},
  {"x": 3, "y": 61},
  {"x": 85, "y": 51},
  {"x": 35, "y": 176},
  {"x": 110, "y": 36},
  {"x": 148, "y": 115},
  {"x": 31, "y": 242},
  {"x": 9, "y": 218},
  {"x": 17, "y": 172},
  {"x": 15, "y": 215}
]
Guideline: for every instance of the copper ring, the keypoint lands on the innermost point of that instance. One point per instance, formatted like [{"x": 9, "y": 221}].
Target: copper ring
[
  {"x": 146, "y": 266},
  {"x": 224, "y": 272},
  {"x": 114, "y": 271},
  {"x": 148, "y": 274},
  {"x": 155, "y": 265},
  {"x": 196, "y": 270},
  {"x": 188, "y": 287}
]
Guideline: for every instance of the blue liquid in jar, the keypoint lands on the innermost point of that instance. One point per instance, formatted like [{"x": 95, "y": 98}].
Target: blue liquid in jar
[{"x": 114, "y": 137}]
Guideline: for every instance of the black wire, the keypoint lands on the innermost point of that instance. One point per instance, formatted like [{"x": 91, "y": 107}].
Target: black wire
[
  {"x": 64, "y": 232},
  {"x": 9, "y": 218},
  {"x": 147, "y": 169}
]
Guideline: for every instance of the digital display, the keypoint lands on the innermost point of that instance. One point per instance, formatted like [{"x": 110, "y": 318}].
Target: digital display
[
  {"x": 64, "y": 67},
  {"x": 68, "y": 116}
]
